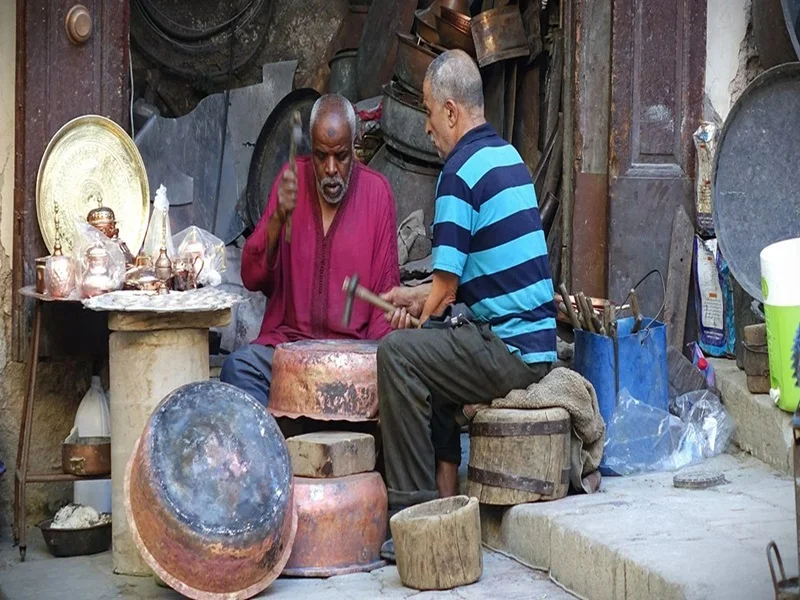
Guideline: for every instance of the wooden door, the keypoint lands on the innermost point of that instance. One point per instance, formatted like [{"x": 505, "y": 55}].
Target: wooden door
[
  {"x": 657, "y": 80},
  {"x": 58, "y": 80}
]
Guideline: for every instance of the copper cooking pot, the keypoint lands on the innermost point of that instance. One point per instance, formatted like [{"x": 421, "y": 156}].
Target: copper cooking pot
[
  {"x": 460, "y": 20},
  {"x": 341, "y": 524},
  {"x": 413, "y": 60},
  {"x": 499, "y": 34},
  {"x": 326, "y": 380},
  {"x": 84, "y": 456},
  {"x": 209, "y": 493},
  {"x": 425, "y": 26},
  {"x": 452, "y": 37}
]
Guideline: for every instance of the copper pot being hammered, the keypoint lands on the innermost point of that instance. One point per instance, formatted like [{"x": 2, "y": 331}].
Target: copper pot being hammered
[
  {"x": 341, "y": 524},
  {"x": 328, "y": 380},
  {"x": 413, "y": 60},
  {"x": 499, "y": 35},
  {"x": 209, "y": 493}
]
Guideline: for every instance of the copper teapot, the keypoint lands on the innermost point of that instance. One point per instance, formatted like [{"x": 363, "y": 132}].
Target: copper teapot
[{"x": 97, "y": 279}]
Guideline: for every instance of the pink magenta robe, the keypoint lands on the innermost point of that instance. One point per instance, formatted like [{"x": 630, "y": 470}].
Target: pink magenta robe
[{"x": 304, "y": 281}]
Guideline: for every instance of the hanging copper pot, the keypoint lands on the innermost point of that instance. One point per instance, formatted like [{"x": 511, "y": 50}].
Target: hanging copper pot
[
  {"x": 499, "y": 35},
  {"x": 328, "y": 380},
  {"x": 341, "y": 524},
  {"x": 413, "y": 60},
  {"x": 452, "y": 36},
  {"x": 209, "y": 493}
]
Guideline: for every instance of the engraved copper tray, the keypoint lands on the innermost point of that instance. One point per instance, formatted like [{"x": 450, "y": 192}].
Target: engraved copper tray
[{"x": 92, "y": 162}]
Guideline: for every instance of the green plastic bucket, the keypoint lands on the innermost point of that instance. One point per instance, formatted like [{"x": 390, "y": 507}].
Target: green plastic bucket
[{"x": 780, "y": 284}]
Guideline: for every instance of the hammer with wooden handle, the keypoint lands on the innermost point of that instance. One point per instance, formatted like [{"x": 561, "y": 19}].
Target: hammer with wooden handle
[
  {"x": 294, "y": 144},
  {"x": 352, "y": 289}
]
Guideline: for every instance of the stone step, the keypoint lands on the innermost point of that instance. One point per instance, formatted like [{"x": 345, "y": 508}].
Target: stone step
[
  {"x": 640, "y": 538},
  {"x": 762, "y": 429}
]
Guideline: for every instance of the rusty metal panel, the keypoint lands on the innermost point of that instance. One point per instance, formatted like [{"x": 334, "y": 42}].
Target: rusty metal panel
[
  {"x": 592, "y": 80},
  {"x": 657, "y": 77},
  {"x": 57, "y": 81}
]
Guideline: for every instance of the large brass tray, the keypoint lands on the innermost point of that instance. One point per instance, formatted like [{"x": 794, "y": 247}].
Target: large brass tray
[{"x": 90, "y": 162}]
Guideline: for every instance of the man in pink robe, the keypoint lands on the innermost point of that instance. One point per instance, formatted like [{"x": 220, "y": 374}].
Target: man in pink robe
[{"x": 343, "y": 222}]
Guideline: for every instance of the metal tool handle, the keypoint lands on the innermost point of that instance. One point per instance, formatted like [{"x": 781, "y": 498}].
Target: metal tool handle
[{"x": 293, "y": 166}]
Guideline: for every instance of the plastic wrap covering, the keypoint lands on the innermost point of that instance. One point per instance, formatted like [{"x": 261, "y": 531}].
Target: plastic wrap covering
[
  {"x": 99, "y": 261},
  {"x": 159, "y": 221},
  {"x": 204, "y": 251},
  {"x": 643, "y": 438}
]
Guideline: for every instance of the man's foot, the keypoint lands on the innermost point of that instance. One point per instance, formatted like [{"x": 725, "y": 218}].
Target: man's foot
[{"x": 387, "y": 550}]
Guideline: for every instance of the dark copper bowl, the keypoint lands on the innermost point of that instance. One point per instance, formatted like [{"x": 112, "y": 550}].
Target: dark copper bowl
[
  {"x": 328, "y": 380},
  {"x": 425, "y": 26},
  {"x": 209, "y": 493},
  {"x": 452, "y": 37},
  {"x": 413, "y": 60},
  {"x": 459, "y": 20},
  {"x": 341, "y": 524}
]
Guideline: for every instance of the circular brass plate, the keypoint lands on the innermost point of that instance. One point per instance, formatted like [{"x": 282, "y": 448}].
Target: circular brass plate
[{"x": 92, "y": 161}]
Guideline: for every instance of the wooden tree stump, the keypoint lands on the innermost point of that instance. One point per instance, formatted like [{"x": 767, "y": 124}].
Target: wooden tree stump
[
  {"x": 518, "y": 456},
  {"x": 438, "y": 544}
]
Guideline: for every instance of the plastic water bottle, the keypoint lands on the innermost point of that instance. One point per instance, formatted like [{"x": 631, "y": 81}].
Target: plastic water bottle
[{"x": 93, "y": 419}]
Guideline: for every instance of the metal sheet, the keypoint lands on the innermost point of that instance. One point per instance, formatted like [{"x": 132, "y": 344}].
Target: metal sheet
[
  {"x": 755, "y": 173},
  {"x": 203, "y": 38},
  {"x": 271, "y": 149},
  {"x": 189, "y": 148},
  {"x": 776, "y": 28},
  {"x": 92, "y": 162},
  {"x": 378, "y": 48}
]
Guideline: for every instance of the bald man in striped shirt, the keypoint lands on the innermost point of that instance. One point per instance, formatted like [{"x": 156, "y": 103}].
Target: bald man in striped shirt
[{"x": 490, "y": 266}]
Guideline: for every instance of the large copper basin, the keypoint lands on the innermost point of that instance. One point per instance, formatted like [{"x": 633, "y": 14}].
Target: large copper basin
[
  {"x": 341, "y": 525},
  {"x": 328, "y": 380},
  {"x": 209, "y": 493}
]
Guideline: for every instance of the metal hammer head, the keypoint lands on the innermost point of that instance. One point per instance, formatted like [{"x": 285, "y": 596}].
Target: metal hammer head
[
  {"x": 297, "y": 131},
  {"x": 349, "y": 287}
]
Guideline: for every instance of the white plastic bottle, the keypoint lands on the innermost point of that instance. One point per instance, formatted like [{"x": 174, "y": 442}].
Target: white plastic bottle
[{"x": 93, "y": 419}]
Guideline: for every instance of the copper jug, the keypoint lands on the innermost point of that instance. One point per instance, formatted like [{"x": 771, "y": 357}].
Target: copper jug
[{"x": 59, "y": 274}]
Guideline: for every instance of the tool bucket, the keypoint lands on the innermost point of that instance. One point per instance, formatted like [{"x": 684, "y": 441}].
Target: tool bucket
[{"x": 633, "y": 361}]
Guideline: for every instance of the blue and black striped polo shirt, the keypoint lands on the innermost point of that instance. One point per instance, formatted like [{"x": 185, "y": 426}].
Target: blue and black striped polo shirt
[{"x": 487, "y": 231}]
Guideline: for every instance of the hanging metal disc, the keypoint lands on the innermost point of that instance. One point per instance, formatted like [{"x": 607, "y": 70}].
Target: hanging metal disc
[{"x": 272, "y": 148}]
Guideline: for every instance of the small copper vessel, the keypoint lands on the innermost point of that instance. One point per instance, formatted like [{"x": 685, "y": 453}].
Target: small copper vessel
[
  {"x": 59, "y": 273},
  {"x": 341, "y": 524},
  {"x": 103, "y": 219},
  {"x": 163, "y": 268},
  {"x": 97, "y": 279},
  {"x": 41, "y": 264},
  {"x": 196, "y": 252}
]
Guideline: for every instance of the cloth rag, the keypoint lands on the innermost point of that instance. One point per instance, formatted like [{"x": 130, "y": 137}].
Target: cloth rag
[
  {"x": 412, "y": 227},
  {"x": 564, "y": 388}
]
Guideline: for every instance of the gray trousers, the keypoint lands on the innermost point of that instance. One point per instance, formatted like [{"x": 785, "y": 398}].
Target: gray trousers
[
  {"x": 424, "y": 377},
  {"x": 250, "y": 369}
]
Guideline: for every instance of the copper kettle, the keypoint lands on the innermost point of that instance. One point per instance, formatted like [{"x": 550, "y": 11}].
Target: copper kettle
[{"x": 97, "y": 279}]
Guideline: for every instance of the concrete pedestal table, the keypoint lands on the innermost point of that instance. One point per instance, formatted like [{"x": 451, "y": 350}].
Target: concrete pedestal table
[{"x": 150, "y": 355}]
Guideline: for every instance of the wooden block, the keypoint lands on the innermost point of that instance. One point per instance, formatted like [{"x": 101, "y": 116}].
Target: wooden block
[
  {"x": 679, "y": 277},
  {"x": 438, "y": 543},
  {"x": 756, "y": 335},
  {"x": 331, "y": 453}
]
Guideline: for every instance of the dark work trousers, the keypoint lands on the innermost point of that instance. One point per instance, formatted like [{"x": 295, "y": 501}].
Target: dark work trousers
[
  {"x": 424, "y": 377},
  {"x": 250, "y": 369}
]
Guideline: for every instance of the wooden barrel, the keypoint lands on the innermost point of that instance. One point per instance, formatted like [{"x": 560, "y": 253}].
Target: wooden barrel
[
  {"x": 519, "y": 456},
  {"x": 325, "y": 380}
]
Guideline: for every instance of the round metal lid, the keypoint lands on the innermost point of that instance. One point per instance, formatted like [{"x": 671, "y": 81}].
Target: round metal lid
[
  {"x": 272, "y": 148},
  {"x": 756, "y": 176},
  {"x": 92, "y": 162},
  {"x": 698, "y": 480}
]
